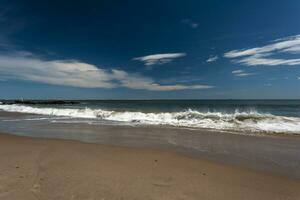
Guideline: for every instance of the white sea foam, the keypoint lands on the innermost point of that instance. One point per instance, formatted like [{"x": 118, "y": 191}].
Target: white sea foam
[{"x": 248, "y": 121}]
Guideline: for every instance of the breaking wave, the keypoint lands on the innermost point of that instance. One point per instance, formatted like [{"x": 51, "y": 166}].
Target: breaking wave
[{"x": 246, "y": 121}]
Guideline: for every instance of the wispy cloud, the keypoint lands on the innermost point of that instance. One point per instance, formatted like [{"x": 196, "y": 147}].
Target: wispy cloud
[
  {"x": 244, "y": 74},
  {"x": 237, "y": 71},
  {"x": 266, "y": 55},
  {"x": 190, "y": 23},
  {"x": 212, "y": 59},
  {"x": 25, "y": 66},
  {"x": 182, "y": 79},
  {"x": 159, "y": 59},
  {"x": 241, "y": 73}
]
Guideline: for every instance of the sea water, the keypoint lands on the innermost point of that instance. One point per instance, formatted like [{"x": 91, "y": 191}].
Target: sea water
[{"x": 256, "y": 116}]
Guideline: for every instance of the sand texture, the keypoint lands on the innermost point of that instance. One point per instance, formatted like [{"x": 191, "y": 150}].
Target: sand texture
[{"x": 60, "y": 169}]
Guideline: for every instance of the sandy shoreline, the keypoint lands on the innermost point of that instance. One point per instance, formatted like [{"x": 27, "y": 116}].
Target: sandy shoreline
[
  {"x": 272, "y": 153},
  {"x": 60, "y": 169}
]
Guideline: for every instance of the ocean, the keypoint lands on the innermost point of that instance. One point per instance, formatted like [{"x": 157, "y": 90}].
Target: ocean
[
  {"x": 260, "y": 134},
  {"x": 241, "y": 116}
]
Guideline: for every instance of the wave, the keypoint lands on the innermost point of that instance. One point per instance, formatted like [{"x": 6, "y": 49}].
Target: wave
[{"x": 245, "y": 121}]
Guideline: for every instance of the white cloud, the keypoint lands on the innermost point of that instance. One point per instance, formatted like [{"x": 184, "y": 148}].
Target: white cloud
[
  {"x": 241, "y": 73},
  {"x": 244, "y": 74},
  {"x": 159, "y": 59},
  {"x": 261, "y": 60},
  {"x": 298, "y": 78},
  {"x": 190, "y": 23},
  {"x": 265, "y": 55},
  {"x": 74, "y": 73},
  {"x": 212, "y": 59},
  {"x": 237, "y": 71}
]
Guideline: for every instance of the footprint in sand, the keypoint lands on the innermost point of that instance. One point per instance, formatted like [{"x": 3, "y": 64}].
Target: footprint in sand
[{"x": 163, "y": 181}]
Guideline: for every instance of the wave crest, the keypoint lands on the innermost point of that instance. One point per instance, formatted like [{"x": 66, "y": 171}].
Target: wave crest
[{"x": 245, "y": 121}]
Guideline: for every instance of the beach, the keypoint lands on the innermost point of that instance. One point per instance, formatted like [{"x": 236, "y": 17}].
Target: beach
[
  {"x": 150, "y": 150},
  {"x": 34, "y": 168},
  {"x": 149, "y": 100}
]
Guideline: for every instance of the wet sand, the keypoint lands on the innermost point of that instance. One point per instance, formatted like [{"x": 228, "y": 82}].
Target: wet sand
[
  {"x": 276, "y": 153},
  {"x": 61, "y": 169}
]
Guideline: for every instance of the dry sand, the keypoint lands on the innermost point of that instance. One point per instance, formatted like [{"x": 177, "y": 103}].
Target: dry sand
[{"x": 59, "y": 169}]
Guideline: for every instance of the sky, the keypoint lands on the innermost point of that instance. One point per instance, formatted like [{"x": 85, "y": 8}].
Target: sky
[{"x": 171, "y": 49}]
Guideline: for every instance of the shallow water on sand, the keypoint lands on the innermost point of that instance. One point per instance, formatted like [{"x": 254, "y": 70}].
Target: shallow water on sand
[{"x": 275, "y": 153}]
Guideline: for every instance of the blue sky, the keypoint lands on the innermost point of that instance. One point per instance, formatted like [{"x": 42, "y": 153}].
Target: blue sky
[{"x": 150, "y": 49}]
